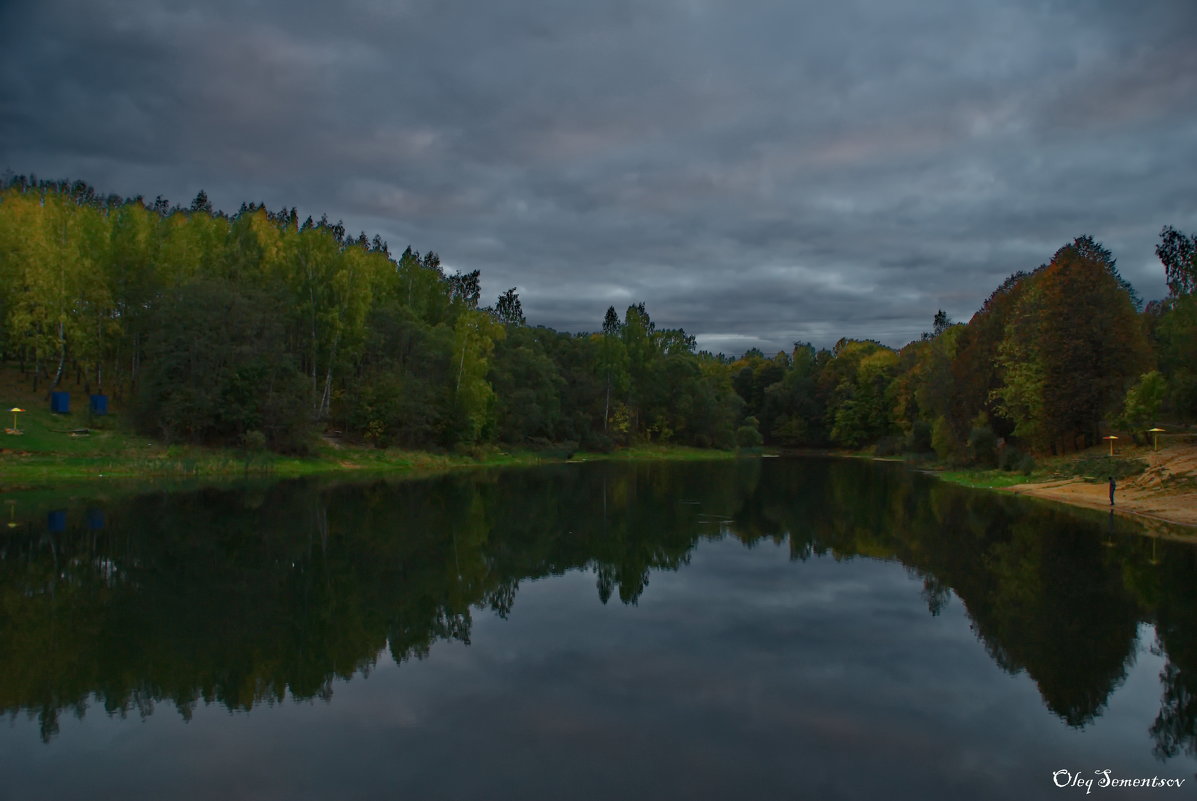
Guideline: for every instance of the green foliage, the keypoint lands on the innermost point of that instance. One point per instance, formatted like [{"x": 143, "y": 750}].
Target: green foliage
[
  {"x": 748, "y": 435},
  {"x": 1011, "y": 459},
  {"x": 527, "y": 389},
  {"x": 1175, "y": 335},
  {"x": 892, "y": 445},
  {"x": 1100, "y": 467},
  {"x": 474, "y": 340},
  {"x": 213, "y": 384},
  {"x": 919, "y": 438},
  {"x": 982, "y": 443},
  {"x": 395, "y": 353},
  {"x": 1143, "y": 401},
  {"x": 402, "y": 394},
  {"x": 944, "y": 442},
  {"x": 860, "y": 409},
  {"x": 1071, "y": 348}
]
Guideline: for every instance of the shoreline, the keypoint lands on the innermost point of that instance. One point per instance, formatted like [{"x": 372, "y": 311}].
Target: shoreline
[
  {"x": 50, "y": 472},
  {"x": 1151, "y": 504},
  {"x": 1165, "y": 492},
  {"x": 1176, "y": 509}
]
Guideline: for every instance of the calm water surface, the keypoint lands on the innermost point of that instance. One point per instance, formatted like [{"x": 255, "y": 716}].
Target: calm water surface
[{"x": 779, "y": 628}]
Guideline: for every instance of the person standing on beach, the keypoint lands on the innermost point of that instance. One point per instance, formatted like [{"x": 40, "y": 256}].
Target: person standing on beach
[{"x": 1113, "y": 486}]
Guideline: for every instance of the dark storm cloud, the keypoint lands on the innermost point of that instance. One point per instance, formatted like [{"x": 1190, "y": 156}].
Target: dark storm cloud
[{"x": 756, "y": 172}]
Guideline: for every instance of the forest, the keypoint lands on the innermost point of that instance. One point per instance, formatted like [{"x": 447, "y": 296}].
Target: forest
[{"x": 258, "y": 329}]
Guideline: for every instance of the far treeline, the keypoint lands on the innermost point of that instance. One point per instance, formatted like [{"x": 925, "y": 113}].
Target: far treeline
[{"x": 258, "y": 330}]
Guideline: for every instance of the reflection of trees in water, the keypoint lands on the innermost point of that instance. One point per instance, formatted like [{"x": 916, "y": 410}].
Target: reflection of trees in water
[
  {"x": 1044, "y": 594},
  {"x": 241, "y": 598},
  {"x": 1049, "y": 604},
  {"x": 1175, "y": 728}
]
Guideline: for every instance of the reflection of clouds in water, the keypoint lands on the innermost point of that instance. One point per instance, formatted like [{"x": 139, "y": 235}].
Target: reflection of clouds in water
[{"x": 745, "y": 666}]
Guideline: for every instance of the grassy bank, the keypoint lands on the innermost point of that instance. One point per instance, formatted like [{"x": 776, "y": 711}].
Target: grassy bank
[
  {"x": 77, "y": 447},
  {"x": 1089, "y": 466},
  {"x": 1092, "y": 465},
  {"x": 987, "y": 479}
]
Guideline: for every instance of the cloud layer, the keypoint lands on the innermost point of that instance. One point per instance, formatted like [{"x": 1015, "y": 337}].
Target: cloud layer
[{"x": 757, "y": 173}]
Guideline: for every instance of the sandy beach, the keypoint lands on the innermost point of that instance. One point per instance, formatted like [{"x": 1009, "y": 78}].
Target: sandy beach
[{"x": 1166, "y": 491}]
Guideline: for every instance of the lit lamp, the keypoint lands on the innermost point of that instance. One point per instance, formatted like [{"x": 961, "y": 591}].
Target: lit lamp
[
  {"x": 15, "y": 411},
  {"x": 1111, "y": 438},
  {"x": 1155, "y": 437}
]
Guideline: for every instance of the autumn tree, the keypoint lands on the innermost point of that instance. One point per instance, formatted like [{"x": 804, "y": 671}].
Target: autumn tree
[
  {"x": 861, "y": 411},
  {"x": 976, "y": 372},
  {"x": 1072, "y": 348}
]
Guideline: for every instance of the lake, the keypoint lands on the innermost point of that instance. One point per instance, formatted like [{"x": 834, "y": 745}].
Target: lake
[{"x": 772, "y": 628}]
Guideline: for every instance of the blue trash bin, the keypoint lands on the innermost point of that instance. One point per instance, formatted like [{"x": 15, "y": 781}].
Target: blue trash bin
[
  {"x": 60, "y": 402},
  {"x": 99, "y": 404},
  {"x": 56, "y": 520}
]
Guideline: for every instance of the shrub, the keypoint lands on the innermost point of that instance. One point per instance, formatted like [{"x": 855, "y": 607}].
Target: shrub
[
  {"x": 1013, "y": 460},
  {"x": 597, "y": 442},
  {"x": 944, "y": 442},
  {"x": 982, "y": 446},
  {"x": 919, "y": 438},
  {"x": 749, "y": 435},
  {"x": 889, "y": 446}
]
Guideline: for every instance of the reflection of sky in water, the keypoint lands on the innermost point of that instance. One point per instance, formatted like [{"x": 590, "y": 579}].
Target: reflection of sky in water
[{"x": 742, "y": 675}]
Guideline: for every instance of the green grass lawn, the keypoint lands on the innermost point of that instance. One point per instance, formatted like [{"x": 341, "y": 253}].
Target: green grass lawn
[
  {"x": 1090, "y": 465},
  {"x": 989, "y": 479},
  {"x": 52, "y": 449}
]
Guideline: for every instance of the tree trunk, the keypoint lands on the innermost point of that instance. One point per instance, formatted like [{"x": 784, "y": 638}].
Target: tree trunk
[
  {"x": 134, "y": 363},
  {"x": 461, "y": 368},
  {"x": 99, "y": 359},
  {"x": 326, "y": 396},
  {"x": 61, "y": 357},
  {"x": 607, "y": 404},
  {"x": 313, "y": 358}
]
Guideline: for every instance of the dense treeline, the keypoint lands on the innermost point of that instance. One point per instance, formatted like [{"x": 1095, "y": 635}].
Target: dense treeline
[
  {"x": 259, "y": 328},
  {"x": 1052, "y": 360}
]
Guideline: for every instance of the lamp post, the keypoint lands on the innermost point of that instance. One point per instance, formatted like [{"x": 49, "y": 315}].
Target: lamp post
[
  {"x": 1155, "y": 437},
  {"x": 15, "y": 411},
  {"x": 1111, "y": 438}
]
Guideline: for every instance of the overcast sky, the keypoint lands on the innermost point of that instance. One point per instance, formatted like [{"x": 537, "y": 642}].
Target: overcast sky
[{"x": 757, "y": 172}]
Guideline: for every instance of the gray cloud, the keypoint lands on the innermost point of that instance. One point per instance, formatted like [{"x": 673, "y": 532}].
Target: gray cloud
[{"x": 755, "y": 173}]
